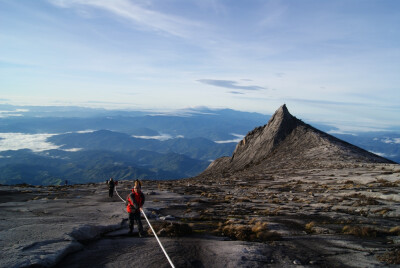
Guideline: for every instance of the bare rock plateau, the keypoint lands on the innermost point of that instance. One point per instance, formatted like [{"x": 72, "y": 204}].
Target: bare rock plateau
[{"x": 289, "y": 196}]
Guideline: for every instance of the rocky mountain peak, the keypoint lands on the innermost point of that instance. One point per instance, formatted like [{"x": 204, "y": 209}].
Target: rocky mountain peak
[
  {"x": 281, "y": 124},
  {"x": 286, "y": 140},
  {"x": 282, "y": 114},
  {"x": 262, "y": 140}
]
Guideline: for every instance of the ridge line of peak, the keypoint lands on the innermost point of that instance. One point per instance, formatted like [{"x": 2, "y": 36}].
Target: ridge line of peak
[{"x": 287, "y": 139}]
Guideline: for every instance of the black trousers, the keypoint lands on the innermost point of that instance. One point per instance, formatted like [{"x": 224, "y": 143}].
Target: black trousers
[
  {"x": 135, "y": 217},
  {"x": 110, "y": 192}
]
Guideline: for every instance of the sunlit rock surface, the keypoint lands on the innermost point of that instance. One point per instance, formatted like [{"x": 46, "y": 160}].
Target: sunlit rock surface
[{"x": 289, "y": 196}]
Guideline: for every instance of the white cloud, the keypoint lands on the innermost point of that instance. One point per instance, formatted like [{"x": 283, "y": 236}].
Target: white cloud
[
  {"x": 391, "y": 141},
  {"x": 34, "y": 142},
  {"x": 239, "y": 138},
  {"x": 229, "y": 84},
  {"x": 138, "y": 15},
  {"x": 380, "y": 154},
  {"x": 228, "y": 141},
  {"x": 85, "y": 131},
  {"x": 73, "y": 150},
  {"x": 162, "y": 137},
  {"x": 383, "y": 154},
  {"x": 3, "y": 115},
  {"x": 341, "y": 132},
  {"x": 9, "y": 113}
]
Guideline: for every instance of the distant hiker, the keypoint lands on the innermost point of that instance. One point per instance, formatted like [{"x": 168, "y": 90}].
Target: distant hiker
[
  {"x": 135, "y": 201},
  {"x": 111, "y": 186}
]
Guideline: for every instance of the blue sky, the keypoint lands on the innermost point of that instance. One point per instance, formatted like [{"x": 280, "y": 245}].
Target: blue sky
[{"x": 333, "y": 62}]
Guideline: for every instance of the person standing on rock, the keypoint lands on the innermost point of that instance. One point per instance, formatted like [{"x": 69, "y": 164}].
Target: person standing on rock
[
  {"x": 135, "y": 201},
  {"x": 111, "y": 186}
]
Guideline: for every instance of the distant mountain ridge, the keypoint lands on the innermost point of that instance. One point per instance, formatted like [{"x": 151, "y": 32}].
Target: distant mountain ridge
[
  {"x": 160, "y": 146},
  {"x": 288, "y": 139},
  {"x": 56, "y": 166},
  {"x": 193, "y": 123},
  {"x": 196, "y": 148}
]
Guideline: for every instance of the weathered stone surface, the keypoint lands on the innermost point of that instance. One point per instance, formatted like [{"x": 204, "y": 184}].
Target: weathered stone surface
[
  {"x": 50, "y": 224},
  {"x": 310, "y": 201}
]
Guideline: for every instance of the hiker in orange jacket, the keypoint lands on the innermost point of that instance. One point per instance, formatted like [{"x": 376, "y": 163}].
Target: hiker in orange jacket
[{"x": 135, "y": 201}]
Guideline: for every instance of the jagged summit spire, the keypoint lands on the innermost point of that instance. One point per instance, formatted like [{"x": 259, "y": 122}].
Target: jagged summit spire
[
  {"x": 262, "y": 140},
  {"x": 283, "y": 109},
  {"x": 286, "y": 137},
  {"x": 280, "y": 118}
]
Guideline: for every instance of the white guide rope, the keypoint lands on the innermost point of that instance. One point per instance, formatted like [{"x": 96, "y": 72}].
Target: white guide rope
[
  {"x": 158, "y": 240},
  {"x": 118, "y": 194}
]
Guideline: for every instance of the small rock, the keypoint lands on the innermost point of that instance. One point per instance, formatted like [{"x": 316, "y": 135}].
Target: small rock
[
  {"x": 162, "y": 232},
  {"x": 167, "y": 218},
  {"x": 297, "y": 262}
]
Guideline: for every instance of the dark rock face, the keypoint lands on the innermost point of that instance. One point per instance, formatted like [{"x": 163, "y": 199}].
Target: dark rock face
[{"x": 286, "y": 138}]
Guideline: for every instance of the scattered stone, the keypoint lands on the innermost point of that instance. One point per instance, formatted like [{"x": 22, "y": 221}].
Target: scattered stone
[
  {"x": 167, "y": 218},
  {"x": 171, "y": 229},
  {"x": 297, "y": 262}
]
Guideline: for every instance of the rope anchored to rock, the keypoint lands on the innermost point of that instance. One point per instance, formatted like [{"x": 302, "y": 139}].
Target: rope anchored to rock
[{"x": 151, "y": 227}]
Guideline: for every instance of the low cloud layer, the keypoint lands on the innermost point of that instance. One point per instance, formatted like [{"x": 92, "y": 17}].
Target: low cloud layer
[
  {"x": 15, "y": 112},
  {"x": 229, "y": 84},
  {"x": 162, "y": 137},
  {"x": 238, "y": 139},
  {"x": 341, "y": 132},
  {"x": 34, "y": 142},
  {"x": 383, "y": 154},
  {"x": 391, "y": 141}
]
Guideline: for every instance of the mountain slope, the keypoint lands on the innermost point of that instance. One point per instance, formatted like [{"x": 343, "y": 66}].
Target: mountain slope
[{"x": 286, "y": 140}]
